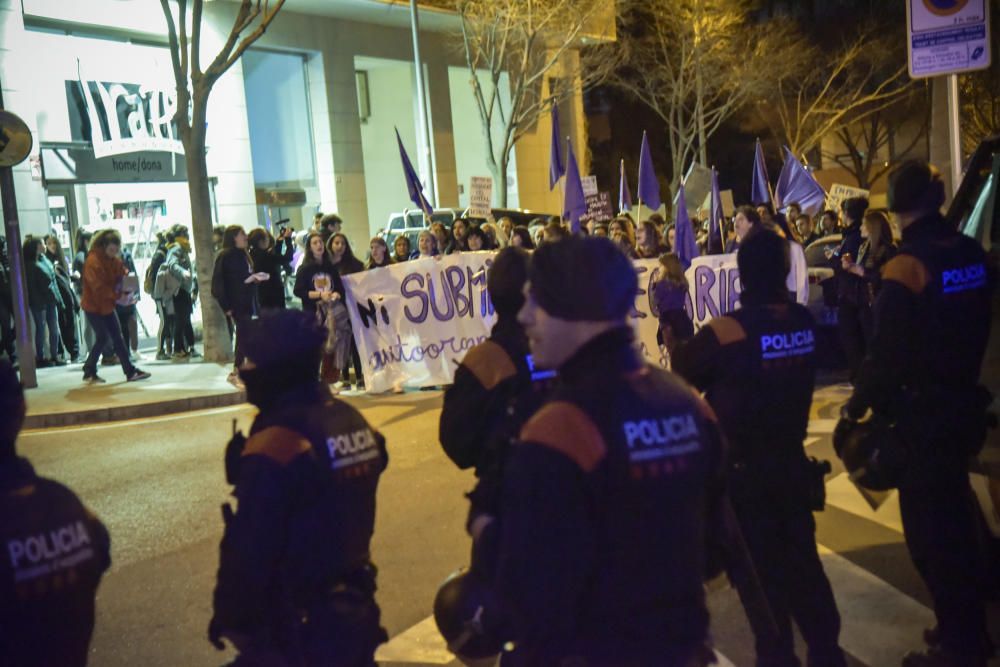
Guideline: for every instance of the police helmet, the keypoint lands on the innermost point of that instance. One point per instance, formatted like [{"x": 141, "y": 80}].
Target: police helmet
[
  {"x": 873, "y": 453},
  {"x": 462, "y": 611}
]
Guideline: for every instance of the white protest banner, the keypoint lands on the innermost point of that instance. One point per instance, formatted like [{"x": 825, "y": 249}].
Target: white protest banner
[
  {"x": 480, "y": 197},
  {"x": 839, "y": 192},
  {"x": 414, "y": 322},
  {"x": 589, "y": 184}
]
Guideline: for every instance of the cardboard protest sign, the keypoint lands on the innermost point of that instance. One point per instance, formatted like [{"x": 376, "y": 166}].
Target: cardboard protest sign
[{"x": 480, "y": 197}]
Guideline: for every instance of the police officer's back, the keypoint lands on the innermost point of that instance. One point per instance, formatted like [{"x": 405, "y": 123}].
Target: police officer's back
[
  {"x": 607, "y": 493},
  {"x": 295, "y": 577},
  {"x": 932, "y": 320},
  {"x": 757, "y": 368},
  {"x": 55, "y": 552}
]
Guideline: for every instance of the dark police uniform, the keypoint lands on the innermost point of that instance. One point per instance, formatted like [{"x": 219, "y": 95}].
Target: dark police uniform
[
  {"x": 295, "y": 572},
  {"x": 54, "y": 553},
  {"x": 932, "y": 321},
  {"x": 757, "y": 369},
  {"x": 606, "y": 503},
  {"x": 496, "y": 390}
]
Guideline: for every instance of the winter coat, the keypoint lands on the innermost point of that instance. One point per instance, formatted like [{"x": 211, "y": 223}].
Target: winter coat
[{"x": 102, "y": 277}]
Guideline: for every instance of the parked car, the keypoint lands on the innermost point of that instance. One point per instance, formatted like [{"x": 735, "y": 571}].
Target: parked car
[{"x": 410, "y": 222}]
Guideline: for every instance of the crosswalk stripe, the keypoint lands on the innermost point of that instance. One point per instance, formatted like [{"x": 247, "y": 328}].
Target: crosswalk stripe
[
  {"x": 842, "y": 494},
  {"x": 421, "y": 644},
  {"x": 821, "y": 425},
  {"x": 812, "y": 440},
  {"x": 867, "y": 602}
]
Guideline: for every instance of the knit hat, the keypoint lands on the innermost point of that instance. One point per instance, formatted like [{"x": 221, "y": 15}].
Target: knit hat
[
  {"x": 506, "y": 279},
  {"x": 583, "y": 279}
]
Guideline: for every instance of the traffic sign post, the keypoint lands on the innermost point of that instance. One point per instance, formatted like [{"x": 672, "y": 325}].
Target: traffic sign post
[{"x": 945, "y": 38}]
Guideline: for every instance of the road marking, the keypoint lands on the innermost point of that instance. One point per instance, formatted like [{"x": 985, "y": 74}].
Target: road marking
[
  {"x": 879, "y": 623},
  {"x": 842, "y": 494},
  {"x": 810, "y": 441},
  {"x": 134, "y": 422},
  {"x": 821, "y": 425},
  {"x": 421, "y": 644}
]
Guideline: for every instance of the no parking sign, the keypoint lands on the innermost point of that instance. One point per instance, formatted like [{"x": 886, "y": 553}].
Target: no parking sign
[{"x": 947, "y": 36}]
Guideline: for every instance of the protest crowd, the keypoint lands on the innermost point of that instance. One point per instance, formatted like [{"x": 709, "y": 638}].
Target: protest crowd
[{"x": 579, "y": 445}]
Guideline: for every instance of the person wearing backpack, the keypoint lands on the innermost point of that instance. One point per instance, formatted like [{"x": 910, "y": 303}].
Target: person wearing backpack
[{"x": 165, "y": 334}]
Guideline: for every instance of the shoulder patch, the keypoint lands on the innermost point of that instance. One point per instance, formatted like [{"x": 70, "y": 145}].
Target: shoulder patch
[
  {"x": 490, "y": 363},
  {"x": 908, "y": 271},
  {"x": 277, "y": 443},
  {"x": 727, "y": 330},
  {"x": 567, "y": 429}
]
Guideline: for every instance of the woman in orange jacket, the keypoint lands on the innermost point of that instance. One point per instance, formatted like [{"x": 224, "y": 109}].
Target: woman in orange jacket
[{"x": 102, "y": 278}]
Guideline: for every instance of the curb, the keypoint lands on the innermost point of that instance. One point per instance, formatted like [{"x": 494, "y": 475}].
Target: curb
[{"x": 138, "y": 411}]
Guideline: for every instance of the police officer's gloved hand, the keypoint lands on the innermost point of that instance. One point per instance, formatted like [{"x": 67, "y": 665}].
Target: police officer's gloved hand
[
  {"x": 234, "y": 451},
  {"x": 850, "y": 415}
]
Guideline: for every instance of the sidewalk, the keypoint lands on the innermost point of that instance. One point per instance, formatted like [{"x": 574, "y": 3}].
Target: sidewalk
[{"x": 62, "y": 399}]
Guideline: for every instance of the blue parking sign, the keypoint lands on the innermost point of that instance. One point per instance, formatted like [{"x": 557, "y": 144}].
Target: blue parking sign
[{"x": 947, "y": 36}]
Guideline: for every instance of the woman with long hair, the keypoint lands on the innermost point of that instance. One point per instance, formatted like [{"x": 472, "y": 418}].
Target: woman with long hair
[
  {"x": 102, "y": 279},
  {"x": 669, "y": 294},
  {"x": 44, "y": 300},
  {"x": 401, "y": 249},
  {"x": 346, "y": 263},
  {"x": 273, "y": 257},
  {"x": 378, "y": 254},
  {"x": 318, "y": 285},
  {"x": 877, "y": 248},
  {"x": 70, "y": 301},
  {"x": 647, "y": 241},
  {"x": 520, "y": 237},
  {"x": 234, "y": 286}
]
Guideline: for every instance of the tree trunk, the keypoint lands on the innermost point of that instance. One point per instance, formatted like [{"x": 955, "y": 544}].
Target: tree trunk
[
  {"x": 500, "y": 181},
  {"x": 216, "y": 333}
]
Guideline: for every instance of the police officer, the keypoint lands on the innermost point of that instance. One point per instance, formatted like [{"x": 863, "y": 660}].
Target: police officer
[
  {"x": 605, "y": 494},
  {"x": 496, "y": 389},
  {"x": 932, "y": 321},
  {"x": 295, "y": 583},
  {"x": 55, "y": 552},
  {"x": 757, "y": 368}
]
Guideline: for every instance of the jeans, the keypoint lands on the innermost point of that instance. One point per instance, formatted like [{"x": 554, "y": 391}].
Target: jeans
[
  {"x": 106, "y": 327},
  {"x": 46, "y": 316}
]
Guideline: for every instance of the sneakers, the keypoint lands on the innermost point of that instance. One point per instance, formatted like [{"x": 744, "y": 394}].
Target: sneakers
[
  {"x": 57, "y": 362},
  {"x": 183, "y": 355},
  {"x": 137, "y": 375},
  {"x": 194, "y": 353},
  {"x": 93, "y": 378},
  {"x": 162, "y": 356}
]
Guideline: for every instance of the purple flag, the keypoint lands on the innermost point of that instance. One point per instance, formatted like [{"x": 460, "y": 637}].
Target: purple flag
[
  {"x": 413, "y": 184},
  {"x": 684, "y": 244},
  {"x": 795, "y": 183},
  {"x": 649, "y": 187},
  {"x": 715, "y": 216},
  {"x": 575, "y": 204},
  {"x": 556, "y": 167},
  {"x": 624, "y": 196},
  {"x": 760, "y": 187}
]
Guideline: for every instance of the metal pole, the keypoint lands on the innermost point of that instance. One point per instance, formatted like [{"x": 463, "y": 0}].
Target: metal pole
[
  {"x": 19, "y": 292},
  {"x": 954, "y": 133},
  {"x": 425, "y": 127}
]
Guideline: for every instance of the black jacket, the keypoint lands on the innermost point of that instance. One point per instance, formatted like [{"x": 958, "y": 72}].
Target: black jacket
[
  {"x": 306, "y": 488},
  {"x": 849, "y": 286},
  {"x": 43, "y": 290},
  {"x": 932, "y": 323},
  {"x": 55, "y": 552},
  {"x": 273, "y": 262},
  {"x": 493, "y": 395},
  {"x": 229, "y": 287},
  {"x": 605, "y": 505},
  {"x": 305, "y": 282}
]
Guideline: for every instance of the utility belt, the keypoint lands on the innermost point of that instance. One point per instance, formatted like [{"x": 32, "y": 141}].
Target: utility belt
[{"x": 796, "y": 480}]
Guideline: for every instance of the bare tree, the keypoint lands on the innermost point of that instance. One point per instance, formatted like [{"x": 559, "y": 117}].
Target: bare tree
[
  {"x": 194, "y": 85},
  {"x": 519, "y": 44},
  {"x": 832, "y": 89},
  {"x": 871, "y": 145}
]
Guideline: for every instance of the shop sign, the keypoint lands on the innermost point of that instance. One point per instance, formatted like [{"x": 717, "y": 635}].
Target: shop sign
[
  {"x": 63, "y": 164},
  {"x": 123, "y": 118}
]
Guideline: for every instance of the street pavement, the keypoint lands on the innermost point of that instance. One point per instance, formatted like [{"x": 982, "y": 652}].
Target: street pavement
[{"x": 158, "y": 484}]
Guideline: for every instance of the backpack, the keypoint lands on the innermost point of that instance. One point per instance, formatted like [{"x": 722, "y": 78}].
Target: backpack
[{"x": 149, "y": 281}]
